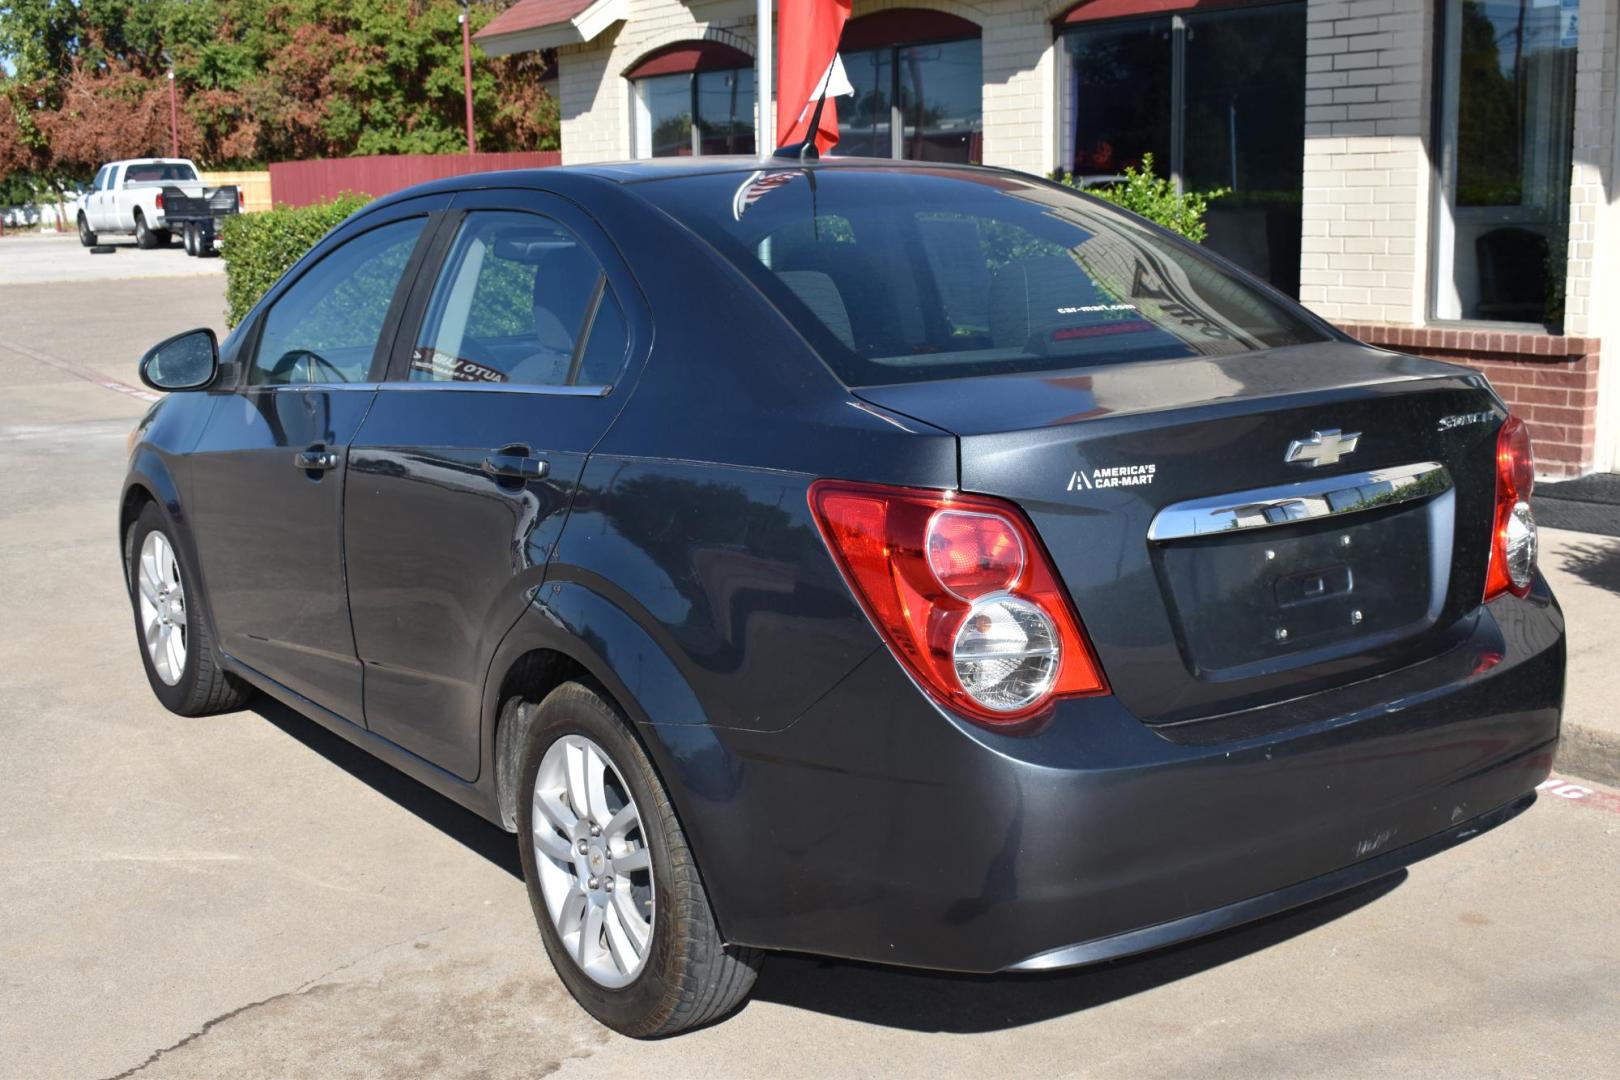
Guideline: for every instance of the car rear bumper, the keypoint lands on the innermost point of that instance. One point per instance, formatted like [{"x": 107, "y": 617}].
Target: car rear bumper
[
  {"x": 1187, "y": 927},
  {"x": 876, "y": 828}
]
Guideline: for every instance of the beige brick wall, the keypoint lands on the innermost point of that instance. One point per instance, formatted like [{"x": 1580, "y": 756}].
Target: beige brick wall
[
  {"x": 1592, "y": 288},
  {"x": 1018, "y": 57},
  {"x": 594, "y": 97},
  {"x": 1367, "y": 182}
]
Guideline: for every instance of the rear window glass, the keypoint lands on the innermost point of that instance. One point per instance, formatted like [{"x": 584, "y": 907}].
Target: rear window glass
[
  {"x": 915, "y": 274},
  {"x": 157, "y": 171}
]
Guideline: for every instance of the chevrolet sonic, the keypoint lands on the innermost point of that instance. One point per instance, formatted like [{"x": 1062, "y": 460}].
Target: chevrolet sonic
[{"x": 916, "y": 564}]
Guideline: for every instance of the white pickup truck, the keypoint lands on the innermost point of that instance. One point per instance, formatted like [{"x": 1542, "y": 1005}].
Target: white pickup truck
[{"x": 152, "y": 198}]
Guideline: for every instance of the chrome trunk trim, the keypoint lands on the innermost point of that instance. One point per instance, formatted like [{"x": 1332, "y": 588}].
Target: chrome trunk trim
[{"x": 1308, "y": 500}]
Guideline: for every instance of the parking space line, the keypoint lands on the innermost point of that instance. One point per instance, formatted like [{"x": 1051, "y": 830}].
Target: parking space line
[
  {"x": 80, "y": 371},
  {"x": 1584, "y": 794}
]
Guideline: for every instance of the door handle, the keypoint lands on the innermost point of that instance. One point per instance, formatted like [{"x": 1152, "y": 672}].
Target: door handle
[
  {"x": 515, "y": 462},
  {"x": 315, "y": 460}
]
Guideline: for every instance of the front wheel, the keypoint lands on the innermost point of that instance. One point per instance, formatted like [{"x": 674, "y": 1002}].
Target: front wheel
[
  {"x": 86, "y": 236},
  {"x": 614, "y": 887},
  {"x": 183, "y": 665}
]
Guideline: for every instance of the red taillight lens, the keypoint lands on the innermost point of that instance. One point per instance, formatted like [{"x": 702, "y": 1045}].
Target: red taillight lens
[
  {"x": 241, "y": 199},
  {"x": 1513, "y": 535},
  {"x": 158, "y": 202},
  {"x": 972, "y": 554},
  {"x": 963, "y": 594}
]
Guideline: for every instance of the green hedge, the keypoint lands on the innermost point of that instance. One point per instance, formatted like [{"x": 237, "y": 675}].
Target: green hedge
[{"x": 259, "y": 248}]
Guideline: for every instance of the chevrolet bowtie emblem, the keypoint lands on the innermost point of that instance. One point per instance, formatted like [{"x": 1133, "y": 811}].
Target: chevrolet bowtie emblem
[{"x": 1323, "y": 447}]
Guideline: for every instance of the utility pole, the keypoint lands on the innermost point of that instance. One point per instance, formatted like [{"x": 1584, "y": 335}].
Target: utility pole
[
  {"x": 466, "y": 73},
  {"x": 174, "y": 118}
]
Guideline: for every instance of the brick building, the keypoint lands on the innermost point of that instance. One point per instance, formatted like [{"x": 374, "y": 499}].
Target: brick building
[{"x": 1438, "y": 177}]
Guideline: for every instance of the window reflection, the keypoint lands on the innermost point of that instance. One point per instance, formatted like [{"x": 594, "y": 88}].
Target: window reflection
[
  {"x": 719, "y": 103},
  {"x": 1238, "y": 122},
  {"x": 922, "y": 102},
  {"x": 1510, "y": 87}
]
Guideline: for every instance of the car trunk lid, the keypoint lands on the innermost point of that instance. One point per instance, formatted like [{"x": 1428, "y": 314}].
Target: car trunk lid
[{"x": 1212, "y": 573}]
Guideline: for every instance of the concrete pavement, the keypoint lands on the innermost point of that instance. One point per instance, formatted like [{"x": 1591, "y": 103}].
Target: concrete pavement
[
  {"x": 32, "y": 258},
  {"x": 1584, "y": 569},
  {"x": 249, "y": 896}
]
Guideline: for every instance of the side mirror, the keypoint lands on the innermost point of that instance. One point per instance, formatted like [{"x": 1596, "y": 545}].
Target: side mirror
[{"x": 187, "y": 361}]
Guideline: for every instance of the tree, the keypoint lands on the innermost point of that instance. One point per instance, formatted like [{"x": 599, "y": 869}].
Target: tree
[{"x": 259, "y": 80}]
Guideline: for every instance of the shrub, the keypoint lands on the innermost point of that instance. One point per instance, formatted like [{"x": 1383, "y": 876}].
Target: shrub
[
  {"x": 1155, "y": 198},
  {"x": 259, "y": 248}
]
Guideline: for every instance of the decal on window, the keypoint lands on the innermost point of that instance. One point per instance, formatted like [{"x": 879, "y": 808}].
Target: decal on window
[{"x": 446, "y": 368}]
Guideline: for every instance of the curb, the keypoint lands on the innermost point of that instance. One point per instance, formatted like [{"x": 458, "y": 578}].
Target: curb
[{"x": 1589, "y": 753}]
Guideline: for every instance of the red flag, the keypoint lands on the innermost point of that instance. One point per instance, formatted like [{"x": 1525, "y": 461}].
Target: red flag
[{"x": 805, "y": 60}]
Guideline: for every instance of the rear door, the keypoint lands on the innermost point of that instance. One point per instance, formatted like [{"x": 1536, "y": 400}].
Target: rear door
[
  {"x": 269, "y": 472},
  {"x": 462, "y": 472}
]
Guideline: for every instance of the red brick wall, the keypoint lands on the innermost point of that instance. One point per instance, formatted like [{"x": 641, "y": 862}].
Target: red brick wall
[{"x": 1549, "y": 380}]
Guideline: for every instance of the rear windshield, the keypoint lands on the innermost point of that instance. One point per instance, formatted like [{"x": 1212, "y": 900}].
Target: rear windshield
[
  {"x": 902, "y": 275},
  {"x": 161, "y": 170}
]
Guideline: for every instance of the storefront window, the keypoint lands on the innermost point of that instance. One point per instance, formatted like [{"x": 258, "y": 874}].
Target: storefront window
[
  {"x": 1507, "y": 131},
  {"x": 694, "y": 98},
  {"x": 1218, "y": 98},
  {"x": 913, "y": 99}
]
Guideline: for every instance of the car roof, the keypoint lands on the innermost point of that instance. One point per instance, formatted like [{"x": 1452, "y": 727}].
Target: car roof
[{"x": 649, "y": 170}]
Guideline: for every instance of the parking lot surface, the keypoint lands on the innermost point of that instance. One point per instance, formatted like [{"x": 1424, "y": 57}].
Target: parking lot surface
[
  {"x": 248, "y": 896},
  {"x": 31, "y": 258}
]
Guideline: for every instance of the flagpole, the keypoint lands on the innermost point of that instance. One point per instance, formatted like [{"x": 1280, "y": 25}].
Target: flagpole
[{"x": 765, "y": 137}]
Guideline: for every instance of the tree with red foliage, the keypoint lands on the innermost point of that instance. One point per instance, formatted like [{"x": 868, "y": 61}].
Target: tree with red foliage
[{"x": 259, "y": 80}]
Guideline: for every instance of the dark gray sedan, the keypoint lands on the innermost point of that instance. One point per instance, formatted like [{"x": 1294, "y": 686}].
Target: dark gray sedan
[{"x": 917, "y": 564}]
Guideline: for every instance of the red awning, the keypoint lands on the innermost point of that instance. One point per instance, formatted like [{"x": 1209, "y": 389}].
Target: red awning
[
  {"x": 1092, "y": 10},
  {"x": 685, "y": 57},
  {"x": 905, "y": 26},
  {"x": 544, "y": 24}
]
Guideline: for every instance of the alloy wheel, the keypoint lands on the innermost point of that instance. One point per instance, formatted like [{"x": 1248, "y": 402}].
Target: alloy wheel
[
  {"x": 163, "y": 607},
  {"x": 595, "y": 870}
]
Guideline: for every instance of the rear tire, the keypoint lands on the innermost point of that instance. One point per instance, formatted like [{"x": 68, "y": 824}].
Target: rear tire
[
  {"x": 176, "y": 640},
  {"x": 145, "y": 238},
  {"x": 86, "y": 236},
  {"x": 189, "y": 239},
  {"x": 684, "y": 975}
]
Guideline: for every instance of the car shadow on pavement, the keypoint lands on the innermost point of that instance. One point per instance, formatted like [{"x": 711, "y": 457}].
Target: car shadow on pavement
[
  {"x": 967, "y": 1004},
  {"x": 1594, "y": 562},
  {"x": 455, "y": 821}
]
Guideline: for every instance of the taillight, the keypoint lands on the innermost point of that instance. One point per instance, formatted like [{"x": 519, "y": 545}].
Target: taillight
[
  {"x": 1513, "y": 537},
  {"x": 241, "y": 200},
  {"x": 158, "y": 202},
  {"x": 964, "y": 595}
]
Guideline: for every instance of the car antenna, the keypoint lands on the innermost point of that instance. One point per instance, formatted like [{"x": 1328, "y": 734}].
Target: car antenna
[{"x": 805, "y": 152}]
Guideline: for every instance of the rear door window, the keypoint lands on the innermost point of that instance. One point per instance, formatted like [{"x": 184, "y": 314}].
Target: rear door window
[
  {"x": 522, "y": 302},
  {"x": 898, "y": 275}
]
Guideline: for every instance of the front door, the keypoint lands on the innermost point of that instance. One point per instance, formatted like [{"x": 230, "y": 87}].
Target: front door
[
  {"x": 268, "y": 473},
  {"x": 461, "y": 474},
  {"x": 96, "y": 208}
]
